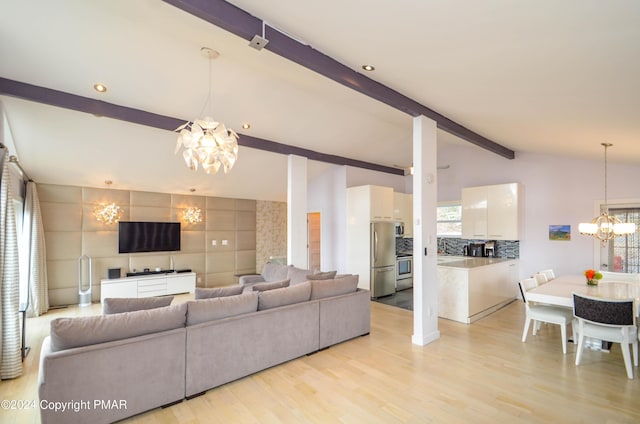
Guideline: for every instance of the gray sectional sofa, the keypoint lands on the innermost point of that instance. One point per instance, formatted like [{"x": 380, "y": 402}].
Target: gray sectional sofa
[{"x": 105, "y": 368}]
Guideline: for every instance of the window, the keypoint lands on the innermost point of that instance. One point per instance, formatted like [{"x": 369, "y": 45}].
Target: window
[
  {"x": 624, "y": 251},
  {"x": 449, "y": 220}
]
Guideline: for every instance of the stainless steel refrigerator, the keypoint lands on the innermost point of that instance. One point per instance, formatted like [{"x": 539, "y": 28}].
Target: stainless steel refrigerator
[{"x": 383, "y": 259}]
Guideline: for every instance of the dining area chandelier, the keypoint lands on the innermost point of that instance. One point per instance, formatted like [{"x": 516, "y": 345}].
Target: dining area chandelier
[
  {"x": 207, "y": 143},
  {"x": 606, "y": 227}
]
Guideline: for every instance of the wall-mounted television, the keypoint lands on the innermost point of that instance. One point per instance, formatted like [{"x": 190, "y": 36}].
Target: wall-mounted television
[{"x": 135, "y": 237}]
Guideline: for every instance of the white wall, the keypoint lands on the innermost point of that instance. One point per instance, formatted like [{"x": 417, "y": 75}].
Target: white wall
[
  {"x": 358, "y": 176},
  {"x": 327, "y": 194},
  {"x": 556, "y": 191}
]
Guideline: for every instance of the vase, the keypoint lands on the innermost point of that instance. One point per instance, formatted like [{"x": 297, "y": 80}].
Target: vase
[{"x": 592, "y": 282}]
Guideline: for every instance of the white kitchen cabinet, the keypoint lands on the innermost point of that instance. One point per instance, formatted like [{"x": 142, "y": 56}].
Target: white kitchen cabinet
[
  {"x": 148, "y": 285},
  {"x": 403, "y": 211},
  {"x": 381, "y": 199},
  {"x": 374, "y": 202},
  {"x": 474, "y": 212},
  {"x": 492, "y": 212},
  {"x": 399, "y": 206}
]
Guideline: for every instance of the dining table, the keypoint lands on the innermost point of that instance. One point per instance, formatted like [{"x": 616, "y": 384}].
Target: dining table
[{"x": 559, "y": 291}]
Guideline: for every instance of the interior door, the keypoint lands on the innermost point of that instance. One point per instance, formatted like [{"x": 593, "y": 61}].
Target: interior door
[{"x": 313, "y": 240}]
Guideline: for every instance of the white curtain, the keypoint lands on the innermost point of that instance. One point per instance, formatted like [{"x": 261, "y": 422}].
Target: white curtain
[
  {"x": 33, "y": 237},
  {"x": 11, "y": 359}
]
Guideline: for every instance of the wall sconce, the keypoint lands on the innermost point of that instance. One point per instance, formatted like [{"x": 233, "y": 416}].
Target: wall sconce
[
  {"x": 107, "y": 213},
  {"x": 192, "y": 215}
]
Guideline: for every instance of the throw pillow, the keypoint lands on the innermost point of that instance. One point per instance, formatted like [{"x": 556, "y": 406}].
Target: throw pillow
[
  {"x": 328, "y": 288},
  {"x": 208, "y": 293},
  {"x": 297, "y": 275},
  {"x": 274, "y": 272},
  {"x": 284, "y": 296},
  {"x": 270, "y": 286},
  {"x": 118, "y": 305},
  {"x": 221, "y": 307},
  {"x": 67, "y": 333},
  {"x": 329, "y": 275}
]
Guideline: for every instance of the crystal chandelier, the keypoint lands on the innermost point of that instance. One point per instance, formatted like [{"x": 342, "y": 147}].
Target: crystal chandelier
[
  {"x": 605, "y": 227},
  {"x": 192, "y": 215},
  {"x": 207, "y": 142}
]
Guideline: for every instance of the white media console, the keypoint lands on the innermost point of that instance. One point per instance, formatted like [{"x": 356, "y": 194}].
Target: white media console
[{"x": 148, "y": 285}]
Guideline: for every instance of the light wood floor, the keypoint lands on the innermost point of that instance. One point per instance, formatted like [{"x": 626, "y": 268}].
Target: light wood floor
[{"x": 480, "y": 373}]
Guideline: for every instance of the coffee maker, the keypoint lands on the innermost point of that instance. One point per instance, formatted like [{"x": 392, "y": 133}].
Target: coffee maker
[
  {"x": 476, "y": 249},
  {"x": 490, "y": 248}
]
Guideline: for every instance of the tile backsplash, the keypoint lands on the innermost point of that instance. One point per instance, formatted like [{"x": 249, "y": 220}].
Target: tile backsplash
[{"x": 454, "y": 246}]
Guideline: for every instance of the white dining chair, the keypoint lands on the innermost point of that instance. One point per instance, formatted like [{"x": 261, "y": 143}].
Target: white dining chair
[
  {"x": 608, "y": 320},
  {"x": 541, "y": 278},
  {"x": 544, "y": 313},
  {"x": 548, "y": 273},
  {"x": 620, "y": 276}
]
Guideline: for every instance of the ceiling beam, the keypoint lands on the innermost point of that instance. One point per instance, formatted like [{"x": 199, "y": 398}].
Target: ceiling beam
[
  {"x": 110, "y": 110},
  {"x": 239, "y": 22}
]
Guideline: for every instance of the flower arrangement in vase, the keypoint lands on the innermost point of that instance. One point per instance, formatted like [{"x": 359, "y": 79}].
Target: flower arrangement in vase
[{"x": 592, "y": 277}]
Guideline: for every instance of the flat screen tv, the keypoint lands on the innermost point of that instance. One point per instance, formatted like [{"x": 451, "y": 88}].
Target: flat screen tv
[{"x": 134, "y": 237}]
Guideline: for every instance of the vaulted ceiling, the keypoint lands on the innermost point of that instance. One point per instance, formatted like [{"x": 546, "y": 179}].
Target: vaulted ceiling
[{"x": 531, "y": 76}]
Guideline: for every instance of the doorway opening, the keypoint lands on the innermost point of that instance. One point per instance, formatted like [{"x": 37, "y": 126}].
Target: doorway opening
[{"x": 313, "y": 241}]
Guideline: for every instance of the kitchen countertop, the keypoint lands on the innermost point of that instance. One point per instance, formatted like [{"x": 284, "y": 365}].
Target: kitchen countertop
[{"x": 468, "y": 262}]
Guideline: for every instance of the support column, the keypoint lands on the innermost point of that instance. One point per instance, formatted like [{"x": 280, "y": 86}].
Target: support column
[
  {"x": 297, "y": 212},
  {"x": 425, "y": 201}
]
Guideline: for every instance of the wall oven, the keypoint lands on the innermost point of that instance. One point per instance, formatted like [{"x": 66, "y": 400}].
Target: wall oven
[{"x": 404, "y": 272}]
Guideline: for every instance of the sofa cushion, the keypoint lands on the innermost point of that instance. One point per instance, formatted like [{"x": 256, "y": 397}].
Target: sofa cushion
[
  {"x": 339, "y": 286},
  {"x": 297, "y": 275},
  {"x": 67, "y": 333},
  {"x": 208, "y": 293},
  {"x": 270, "y": 286},
  {"x": 274, "y": 272},
  {"x": 117, "y": 305},
  {"x": 329, "y": 275},
  {"x": 284, "y": 296},
  {"x": 221, "y": 307}
]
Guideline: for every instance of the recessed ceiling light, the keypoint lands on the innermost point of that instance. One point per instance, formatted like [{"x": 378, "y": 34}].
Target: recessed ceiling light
[
  {"x": 246, "y": 125},
  {"x": 100, "y": 88},
  {"x": 368, "y": 68}
]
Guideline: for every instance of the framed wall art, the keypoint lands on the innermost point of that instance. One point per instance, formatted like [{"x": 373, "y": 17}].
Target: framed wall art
[{"x": 560, "y": 232}]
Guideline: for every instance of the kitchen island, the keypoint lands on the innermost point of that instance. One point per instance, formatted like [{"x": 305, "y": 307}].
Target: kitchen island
[{"x": 470, "y": 288}]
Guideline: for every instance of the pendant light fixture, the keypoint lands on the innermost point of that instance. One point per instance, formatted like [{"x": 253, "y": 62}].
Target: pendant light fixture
[
  {"x": 206, "y": 142},
  {"x": 605, "y": 227}
]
